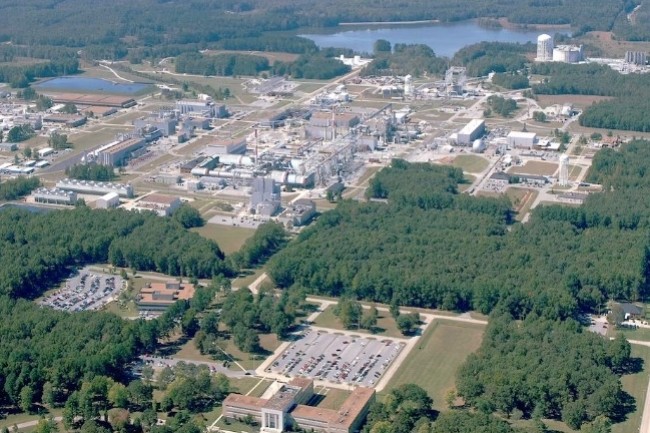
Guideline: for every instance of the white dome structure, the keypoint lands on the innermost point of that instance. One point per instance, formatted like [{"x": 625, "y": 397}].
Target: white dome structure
[{"x": 544, "y": 48}]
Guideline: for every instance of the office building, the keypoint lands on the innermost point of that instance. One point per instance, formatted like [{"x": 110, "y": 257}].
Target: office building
[
  {"x": 287, "y": 407},
  {"x": 160, "y": 296}
]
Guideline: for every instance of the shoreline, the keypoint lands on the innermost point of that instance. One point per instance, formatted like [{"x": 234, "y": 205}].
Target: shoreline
[
  {"x": 503, "y": 22},
  {"x": 389, "y": 23}
]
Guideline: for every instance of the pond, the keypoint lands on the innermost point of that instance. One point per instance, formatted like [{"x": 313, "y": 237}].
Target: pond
[
  {"x": 92, "y": 85},
  {"x": 444, "y": 38}
]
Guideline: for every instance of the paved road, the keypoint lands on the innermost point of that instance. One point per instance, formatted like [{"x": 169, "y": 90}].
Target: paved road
[{"x": 217, "y": 367}]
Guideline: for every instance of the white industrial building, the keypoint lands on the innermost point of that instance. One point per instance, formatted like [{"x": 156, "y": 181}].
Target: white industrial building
[
  {"x": 163, "y": 205},
  {"x": 96, "y": 188},
  {"x": 521, "y": 140},
  {"x": 205, "y": 108},
  {"x": 568, "y": 53},
  {"x": 116, "y": 152},
  {"x": 544, "y": 48},
  {"x": 54, "y": 196},
  {"x": 107, "y": 201},
  {"x": 470, "y": 132}
]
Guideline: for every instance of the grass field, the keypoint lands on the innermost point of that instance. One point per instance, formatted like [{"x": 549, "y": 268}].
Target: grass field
[
  {"x": 230, "y": 239},
  {"x": 471, "y": 163},
  {"x": 18, "y": 418},
  {"x": 469, "y": 180},
  {"x": 636, "y": 385},
  {"x": 243, "y": 385},
  {"x": 385, "y": 323},
  {"x": 574, "y": 171},
  {"x": 535, "y": 167},
  {"x": 433, "y": 362}
]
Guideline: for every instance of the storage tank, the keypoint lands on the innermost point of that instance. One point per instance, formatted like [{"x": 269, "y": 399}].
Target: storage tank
[
  {"x": 478, "y": 146},
  {"x": 544, "y": 48}
]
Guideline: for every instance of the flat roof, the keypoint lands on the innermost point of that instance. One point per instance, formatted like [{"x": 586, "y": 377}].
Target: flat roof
[
  {"x": 159, "y": 199},
  {"x": 244, "y": 401},
  {"x": 345, "y": 416},
  {"x": 471, "y": 126},
  {"x": 283, "y": 398},
  {"x": 521, "y": 134}
]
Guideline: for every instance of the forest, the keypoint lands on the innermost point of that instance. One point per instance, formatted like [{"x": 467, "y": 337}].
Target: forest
[
  {"x": 403, "y": 59},
  {"x": 553, "y": 378},
  {"x": 151, "y": 22},
  {"x": 32, "y": 255},
  {"x": 448, "y": 236},
  {"x": 630, "y": 93},
  {"x": 221, "y": 64},
  {"x": 485, "y": 57}
]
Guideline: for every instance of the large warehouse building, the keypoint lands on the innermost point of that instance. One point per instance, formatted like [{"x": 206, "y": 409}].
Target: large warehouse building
[
  {"x": 287, "y": 406},
  {"x": 470, "y": 132},
  {"x": 522, "y": 140}
]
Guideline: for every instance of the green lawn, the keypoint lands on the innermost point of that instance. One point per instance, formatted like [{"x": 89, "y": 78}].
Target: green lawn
[
  {"x": 230, "y": 239},
  {"x": 433, "y": 362},
  {"x": 636, "y": 385},
  {"x": 385, "y": 324},
  {"x": 244, "y": 385},
  {"x": 21, "y": 417},
  {"x": 471, "y": 163},
  {"x": 642, "y": 334}
]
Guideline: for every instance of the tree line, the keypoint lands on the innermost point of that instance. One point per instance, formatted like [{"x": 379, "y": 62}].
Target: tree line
[
  {"x": 94, "y": 172},
  {"x": 21, "y": 186},
  {"x": 221, "y": 64}
]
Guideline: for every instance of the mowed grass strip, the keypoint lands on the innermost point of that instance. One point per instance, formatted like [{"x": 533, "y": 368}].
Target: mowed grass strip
[
  {"x": 536, "y": 168},
  {"x": 433, "y": 362},
  {"x": 230, "y": 239},
  {"x": 470, "y": 163},
  {"x": 386, "y": 325}
]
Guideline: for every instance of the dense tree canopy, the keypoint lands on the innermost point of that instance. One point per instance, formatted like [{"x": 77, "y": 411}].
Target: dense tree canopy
[
  {"x": 21, "y": 186},
  {"x": 32, "y": 255},
  {"x": 431, "y": 247},
  {"x": 554, "y": 371},
  {"x": 95, "y": 172}
]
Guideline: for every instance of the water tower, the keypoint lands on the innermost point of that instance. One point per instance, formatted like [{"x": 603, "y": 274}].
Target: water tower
[
  {"x": 564, "y": 170},
  {"x": 544, "y": 48}
]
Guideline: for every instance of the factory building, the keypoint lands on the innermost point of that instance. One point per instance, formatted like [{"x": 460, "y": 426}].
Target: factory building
[
  {"x": 299, "y": 212},
  {"x": 33, "y": 120},
  {"x": 265, "y": 197},
  {"x": 95, "y": 188},
  {"x": 54, "y": 196},
  {"x": 521, "y": 140},
  {"x": 163, "y": 205},
  {"x": 165, "y": 122},
  {"x": 544, "y": 48},
  {"x": 227, "y": 146},
  {"x": 69, "y": 120},
  {"x": 204, "y": 108},
  {"x": 287, "y": 407},
  {"x": 568, "y": 53},
  {"x": 636, "y": 57},
  {"x": 116, "y": 152},
  {"x": 92, "y": 100},
  {"x": 470, "y": 132},
  {"x": 108, "y": 201},
  {"x": 327, "y": 125}
]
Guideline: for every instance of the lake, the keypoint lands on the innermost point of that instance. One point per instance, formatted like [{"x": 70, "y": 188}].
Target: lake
[
  {"x": 444, "y": 38},
  {"x": 92, "y": 85}
]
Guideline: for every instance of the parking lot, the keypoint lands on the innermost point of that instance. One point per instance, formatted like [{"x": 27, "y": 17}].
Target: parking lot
[
  {"x": 337, "y": 358},
  {"x": 85, "y": 291}
]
